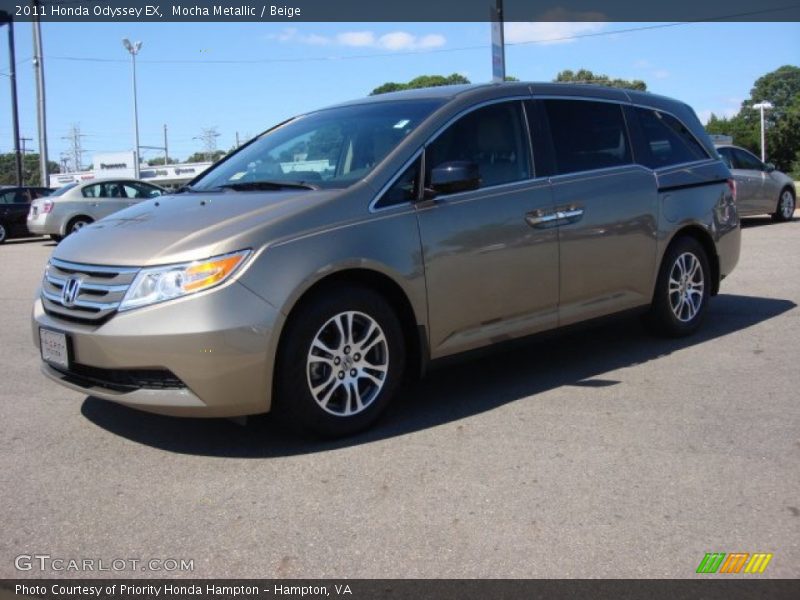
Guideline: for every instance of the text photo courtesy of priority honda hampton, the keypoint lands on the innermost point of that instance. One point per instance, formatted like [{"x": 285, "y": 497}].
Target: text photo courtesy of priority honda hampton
[{"x": 308, "y": 271}]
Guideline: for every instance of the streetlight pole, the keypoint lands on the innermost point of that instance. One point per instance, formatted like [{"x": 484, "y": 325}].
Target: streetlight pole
[
  {"x": 762, "y": 106},
  {"x": 12, "y": 75},
  {"x": 134, "y": 48}
]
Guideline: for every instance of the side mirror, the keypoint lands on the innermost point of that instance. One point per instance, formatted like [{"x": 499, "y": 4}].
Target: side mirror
[
  {"x": 452, "y": 177},
  {"x": 769, "y": 167}
]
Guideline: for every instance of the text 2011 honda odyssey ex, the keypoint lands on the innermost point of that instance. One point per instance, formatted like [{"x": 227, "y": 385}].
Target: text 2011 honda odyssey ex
[{"x": 309, "y": 269}]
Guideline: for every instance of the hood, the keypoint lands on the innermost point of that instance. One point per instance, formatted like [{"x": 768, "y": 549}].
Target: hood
[{"x": 185, "y": 227}]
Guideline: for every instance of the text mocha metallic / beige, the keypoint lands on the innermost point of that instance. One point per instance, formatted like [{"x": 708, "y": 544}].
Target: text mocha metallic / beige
[{"x": 307, "y": 272}]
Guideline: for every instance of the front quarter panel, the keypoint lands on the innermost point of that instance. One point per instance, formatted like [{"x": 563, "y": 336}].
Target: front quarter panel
[{"x": 386, "y": 243}]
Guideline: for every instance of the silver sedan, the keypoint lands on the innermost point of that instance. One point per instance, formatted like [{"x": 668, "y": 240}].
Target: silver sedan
[
  {"x": 760, "y": 188},
  {"x": 75, "y": 205}
]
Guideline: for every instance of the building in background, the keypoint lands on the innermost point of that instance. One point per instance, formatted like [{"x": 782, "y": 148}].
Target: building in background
[{"x": 121, "y": 165}]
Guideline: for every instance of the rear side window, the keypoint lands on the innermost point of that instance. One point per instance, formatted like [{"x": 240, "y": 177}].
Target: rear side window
[
  {"x": 587, "y": 135},
  {"x": 666, "y": 140},
  {"x": 726, "y": 155},
  {"x": 745, "y": 160}
]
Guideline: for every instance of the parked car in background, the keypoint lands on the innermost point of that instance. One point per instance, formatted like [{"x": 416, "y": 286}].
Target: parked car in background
[
  {"x": 411, "y": 227},
  {"x": 75, "y": 205},
  {"x": 14, "y": 206},
  {"x": 760, "y": 188}
]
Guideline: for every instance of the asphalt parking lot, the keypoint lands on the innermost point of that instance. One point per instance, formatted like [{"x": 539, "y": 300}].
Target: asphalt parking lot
[{"x": 603, "y": 453}]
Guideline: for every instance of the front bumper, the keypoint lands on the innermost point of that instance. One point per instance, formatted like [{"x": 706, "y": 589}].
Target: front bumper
[{"x": 219, "y": 344}]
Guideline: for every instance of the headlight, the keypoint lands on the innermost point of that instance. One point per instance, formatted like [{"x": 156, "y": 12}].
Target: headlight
[{"x": 157, "y": 284}]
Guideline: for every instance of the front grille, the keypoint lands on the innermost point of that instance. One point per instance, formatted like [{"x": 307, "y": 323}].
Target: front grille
[
  {"x": 121, "y": 380},
  {"x": 101, "y": 290}
]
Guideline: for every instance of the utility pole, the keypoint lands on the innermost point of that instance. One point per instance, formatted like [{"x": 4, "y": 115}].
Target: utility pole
[
  {"x": 24, "y": 150},
  {"x": 166, "y": 148},
  {"x": 12, "y": 75},
  {"x": 498, "y": 42},
  {"x": 74, "y": 138},
  {"x": 209, "y": 137},
  {"x": 41, "y": 118},
  {"x": 237, "y": 139}
]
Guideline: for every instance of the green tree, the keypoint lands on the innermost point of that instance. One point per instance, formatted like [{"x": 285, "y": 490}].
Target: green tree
[
  {"x": 157, "y": 162},
  {"x": 780, "y": 87},
  {"x": 206, "y": 157},
  {"x": 586, "y": 76},
  {"x": 423, "y": 81},
  {"x": 30, "y": 169}
]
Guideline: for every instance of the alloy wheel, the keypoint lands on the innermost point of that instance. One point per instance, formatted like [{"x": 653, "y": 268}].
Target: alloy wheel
[
  {"x": 787, "y": 205},
  {"x": 686, "y": 286},
  {"x": 78, "y": 226},
  {"x": 347, "y": 363}
]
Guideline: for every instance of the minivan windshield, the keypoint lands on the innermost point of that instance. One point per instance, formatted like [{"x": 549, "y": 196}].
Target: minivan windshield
[{"x": 331, "y": 148}]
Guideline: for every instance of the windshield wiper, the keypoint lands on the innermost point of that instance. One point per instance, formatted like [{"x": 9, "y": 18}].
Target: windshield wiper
[{"x": 243, "y": 186}]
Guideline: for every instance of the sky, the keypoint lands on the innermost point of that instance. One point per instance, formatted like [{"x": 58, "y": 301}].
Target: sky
[{"x": 245, "y": 77}]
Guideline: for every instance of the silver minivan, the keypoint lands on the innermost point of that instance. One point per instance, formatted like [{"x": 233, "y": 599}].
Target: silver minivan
[
  {"x": 310, "y": 270},
  {"x": 75, "y": 205}
]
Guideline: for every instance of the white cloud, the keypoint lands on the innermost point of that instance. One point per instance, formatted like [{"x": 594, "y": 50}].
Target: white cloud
[
  {"x": 394, "y": 41},
  {"x": 556, "y": 26},
  {"x": 356, "y": 38},
  {"x": 661, "y": 73},
  {"x": 548, "y": 32}
]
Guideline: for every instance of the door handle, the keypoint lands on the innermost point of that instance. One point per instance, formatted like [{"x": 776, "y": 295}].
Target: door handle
[
  {"x": 540, "y": 219},
  {"x": 570, "y": 215}
]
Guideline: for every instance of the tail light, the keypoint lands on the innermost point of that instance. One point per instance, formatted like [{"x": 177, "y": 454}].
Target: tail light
[
  {"x": 732, "y": 187},
  {"x": 48, "y": 206}
]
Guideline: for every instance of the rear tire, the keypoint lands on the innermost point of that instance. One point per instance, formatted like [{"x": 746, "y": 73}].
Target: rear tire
[
  {"x": 682, "y": 290},
  {"x": 77, "y": 224},
  {"x": 56, "y": 238},
  {"x": 784, "y": 210},
  {"x": 3, "y": 233},
  {"x": 340, "y": 363}
]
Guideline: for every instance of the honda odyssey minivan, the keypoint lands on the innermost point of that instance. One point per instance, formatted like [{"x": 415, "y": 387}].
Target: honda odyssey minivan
[{"x": 309, "y": 270}]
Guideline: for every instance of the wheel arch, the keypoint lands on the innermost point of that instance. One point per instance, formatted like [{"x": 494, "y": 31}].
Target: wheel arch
[
  {"x": 67, "y": 223},
  {"x": 703, "y": 237},
  {"x": 415, "y": 335}
]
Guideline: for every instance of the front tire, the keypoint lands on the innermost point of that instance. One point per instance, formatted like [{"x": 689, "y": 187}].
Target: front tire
[
  {"x": 683, "y": 289},
  {"x": 784, "y": 211},
  {"x": 3, "y": 233},
  {"x": 341, "y": 361}
]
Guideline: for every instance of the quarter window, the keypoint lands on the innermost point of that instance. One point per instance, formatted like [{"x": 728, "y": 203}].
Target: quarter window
[
  {"x": 404, "y": 189},
  {"x": 492, "y": 138},
  {"x": 587, "y": 135},
  {"x": 666, "y": 140}
]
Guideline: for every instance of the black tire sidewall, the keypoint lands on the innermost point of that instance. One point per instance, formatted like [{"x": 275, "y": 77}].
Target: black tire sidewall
[
  {"x": 4, "y": 234},
  {"x": 294, "y": 403},
  {"x": 662, "y": 318},
  {"x": 71, "y": 227},
  {"x": 778, "y": 214}
]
